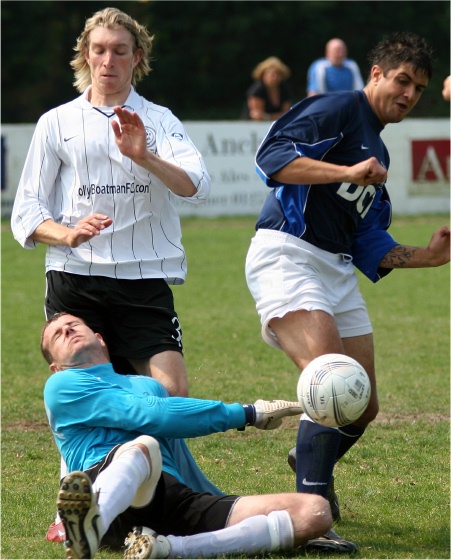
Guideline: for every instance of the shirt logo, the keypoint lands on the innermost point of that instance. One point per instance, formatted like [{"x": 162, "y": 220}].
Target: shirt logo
[
  {"x": 362, "y": 196},
  {"x": 363, "y": 147},
  {"x": 151, "y": 140},
  {"x": 70, "y": 138}
]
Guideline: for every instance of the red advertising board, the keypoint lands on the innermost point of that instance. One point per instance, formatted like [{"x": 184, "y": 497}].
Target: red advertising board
[{"x": 430, "y": 160}]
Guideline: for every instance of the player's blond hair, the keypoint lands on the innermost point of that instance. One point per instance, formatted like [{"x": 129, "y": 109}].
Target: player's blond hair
[
  {"x": 114, "y": 19},
  {"x": 271, "y": 62}
]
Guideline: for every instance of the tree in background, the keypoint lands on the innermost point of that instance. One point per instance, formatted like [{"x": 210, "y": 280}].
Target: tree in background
[{"x": 204, "y": 51}]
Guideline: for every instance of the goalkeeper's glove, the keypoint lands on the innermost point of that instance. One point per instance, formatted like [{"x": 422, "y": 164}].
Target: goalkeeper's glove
[{"x": 267, "y": 415}]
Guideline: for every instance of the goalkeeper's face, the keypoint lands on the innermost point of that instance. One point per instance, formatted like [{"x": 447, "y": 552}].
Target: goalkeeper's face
[{"x": 71, "y": 343}]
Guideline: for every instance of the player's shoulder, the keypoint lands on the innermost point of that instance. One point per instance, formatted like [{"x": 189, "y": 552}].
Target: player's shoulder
[
  {"x": 158, "y": 117},
  {"x": 140, "y": 385},
  {"x": 333, "y": 102},
  {"x": 340, "y": 108},
  {"x": 56, "y": 383},
  {"x": 154, "y": 108},
  {"x": 54, "y": 112}
]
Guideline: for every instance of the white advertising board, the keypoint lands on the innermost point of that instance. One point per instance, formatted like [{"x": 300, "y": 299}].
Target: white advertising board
[{"x": 418, "y": 179}]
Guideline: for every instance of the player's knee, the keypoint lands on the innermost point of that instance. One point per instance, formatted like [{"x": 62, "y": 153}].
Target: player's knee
[
  {"x": 312, "y": 519},
  {"x": 369, "y": 415},
  {"x": 321, "y": 516},
  {"x": 148, "y": 445}
]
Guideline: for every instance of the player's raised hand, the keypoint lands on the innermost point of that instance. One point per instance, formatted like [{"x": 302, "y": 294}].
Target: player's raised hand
[
  {"x": 269, "y": 414},
  {"x": 130, "y": 134}
]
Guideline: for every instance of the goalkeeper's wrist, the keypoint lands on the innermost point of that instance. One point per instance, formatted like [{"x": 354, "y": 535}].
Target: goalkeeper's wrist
[{"x": 250, "y": 415}]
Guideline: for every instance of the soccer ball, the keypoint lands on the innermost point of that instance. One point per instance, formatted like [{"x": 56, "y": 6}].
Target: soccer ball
[{"x": 334, "y": 390}]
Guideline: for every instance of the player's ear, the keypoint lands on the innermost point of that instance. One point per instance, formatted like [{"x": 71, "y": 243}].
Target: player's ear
[
  {"x": 104, "y": 346},
  {"x": 137, "y": 56},
  {"x": 376, "y": 73},
  {"x": 54, "y": 367},
  {"x": 100, "y": 337},
  {"x": 86, "y": 54}
]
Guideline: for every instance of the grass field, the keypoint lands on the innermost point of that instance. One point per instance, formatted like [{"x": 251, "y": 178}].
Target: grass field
[{"x": 394, "y": 484}]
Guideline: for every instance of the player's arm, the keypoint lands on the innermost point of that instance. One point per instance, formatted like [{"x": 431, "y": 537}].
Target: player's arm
[
  {"x": 52, "y": 233},
  {"x": 307, "y": 171},
  {"x": 131, "y": 140},
  {"x": 174, "y": 417},
  {"x": 437, "y": 253}
]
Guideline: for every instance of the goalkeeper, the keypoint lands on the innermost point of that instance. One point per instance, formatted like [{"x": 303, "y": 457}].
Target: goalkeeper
[{"x": 120, "y": 436}]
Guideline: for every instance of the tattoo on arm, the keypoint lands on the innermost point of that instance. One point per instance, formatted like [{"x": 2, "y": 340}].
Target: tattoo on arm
[{"x": 399, "y": 257}]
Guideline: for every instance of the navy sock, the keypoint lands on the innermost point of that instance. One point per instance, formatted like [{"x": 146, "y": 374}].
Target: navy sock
[
  {"x": 349, "y": 436},
  {"x": 316, "y": 454}
]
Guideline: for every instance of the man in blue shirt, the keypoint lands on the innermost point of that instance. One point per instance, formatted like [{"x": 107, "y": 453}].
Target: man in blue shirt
[
  {"x": 119, "y": 435},
  {"x": 333, "y": 72},
  {"x": 328, "y": 210}
]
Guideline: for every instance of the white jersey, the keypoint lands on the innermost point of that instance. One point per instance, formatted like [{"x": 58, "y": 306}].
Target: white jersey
[{"x": 74, "y": 168}]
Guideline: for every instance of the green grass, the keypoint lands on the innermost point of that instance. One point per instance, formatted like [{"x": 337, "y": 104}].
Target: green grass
[{"x": 394, "y": 484}]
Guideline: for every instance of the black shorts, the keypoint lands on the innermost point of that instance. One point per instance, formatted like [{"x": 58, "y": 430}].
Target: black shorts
[
  {"x": 175, "y": 509},
  {"x": 136, "y": 318}
]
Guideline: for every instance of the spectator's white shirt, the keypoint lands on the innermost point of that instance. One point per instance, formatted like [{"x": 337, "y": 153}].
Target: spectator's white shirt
[{"x": 74, "y": 168}]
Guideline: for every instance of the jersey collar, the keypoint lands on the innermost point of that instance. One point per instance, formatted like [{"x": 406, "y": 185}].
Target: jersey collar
[{"x": 132, "y": 103}]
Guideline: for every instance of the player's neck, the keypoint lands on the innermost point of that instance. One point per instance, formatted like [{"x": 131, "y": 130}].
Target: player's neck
[{"x": 100, "y": 99}]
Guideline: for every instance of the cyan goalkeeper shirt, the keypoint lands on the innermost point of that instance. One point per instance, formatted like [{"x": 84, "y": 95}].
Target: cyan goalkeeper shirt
[{"x": 91, "y": 410}]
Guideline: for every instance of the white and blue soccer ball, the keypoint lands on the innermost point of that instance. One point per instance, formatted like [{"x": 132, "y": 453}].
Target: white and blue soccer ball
[{"x": 334, "y": 390}]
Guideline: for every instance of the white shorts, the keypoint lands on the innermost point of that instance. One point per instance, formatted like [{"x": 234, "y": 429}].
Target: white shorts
[{"x": 287, "y": 274}]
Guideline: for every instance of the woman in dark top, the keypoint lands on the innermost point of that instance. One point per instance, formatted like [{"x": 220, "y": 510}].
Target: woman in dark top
[{"x": 269, "y": 97}]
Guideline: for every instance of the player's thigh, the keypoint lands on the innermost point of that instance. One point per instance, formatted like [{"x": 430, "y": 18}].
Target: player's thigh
[
  {"x": 304, "y": 335},
  {"x": 167, "y": 367},
  {"x": 361, "y": 348}
]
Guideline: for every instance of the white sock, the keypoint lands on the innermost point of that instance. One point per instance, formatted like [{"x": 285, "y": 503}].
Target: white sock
[
  {"x": 281, "y": 526},
  {"x": 63, "y": 471},
  {"x": 119, "y": 482},
  {"x": 256, "y": 534}
]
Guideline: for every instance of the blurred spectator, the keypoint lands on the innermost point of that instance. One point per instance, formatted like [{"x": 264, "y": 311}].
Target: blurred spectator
[
  {"x": 446, "y": 87},
  {"x": 334, "y": 72},
  {"x": 269, "y": 97}
]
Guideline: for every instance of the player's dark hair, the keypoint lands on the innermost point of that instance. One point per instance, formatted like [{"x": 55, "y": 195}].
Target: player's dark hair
[{"x": 402, "y": 48}]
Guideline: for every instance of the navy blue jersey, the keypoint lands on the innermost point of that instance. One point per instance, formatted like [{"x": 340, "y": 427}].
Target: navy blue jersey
[{"x": 339, "y": 128}]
